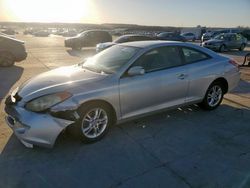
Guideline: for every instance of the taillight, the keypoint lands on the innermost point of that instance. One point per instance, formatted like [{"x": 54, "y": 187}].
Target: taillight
[{"x": 233, "y": 63}]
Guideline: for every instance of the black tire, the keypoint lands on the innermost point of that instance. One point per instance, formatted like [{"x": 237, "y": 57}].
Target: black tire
[
  {"x": 242, "y": 47},
  {"x": 222, "y": 48},
  {"x": 80, "y": 126},
  {"x": 206, "y": 103},
  {"x": 6, "y": 59}
]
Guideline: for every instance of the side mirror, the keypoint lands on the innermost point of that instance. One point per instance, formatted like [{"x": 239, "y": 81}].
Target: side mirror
[{"x": 137, "y": 70}]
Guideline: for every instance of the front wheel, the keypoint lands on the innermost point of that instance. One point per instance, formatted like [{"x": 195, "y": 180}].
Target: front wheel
[
  {"x": 95, "y": 120},
  {"x": 213, "y": 97},
  {"x": 242, "y": 46},
  {"x": 222, "y": 48}
]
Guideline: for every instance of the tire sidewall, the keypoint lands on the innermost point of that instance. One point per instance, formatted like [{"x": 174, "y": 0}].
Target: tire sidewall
[
  {"x": 242, "y": 47},
  {"x": 222, "y": 48}
]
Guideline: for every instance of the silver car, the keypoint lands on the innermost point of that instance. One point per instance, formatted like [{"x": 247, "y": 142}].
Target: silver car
[{"x": 123, "y": 82}]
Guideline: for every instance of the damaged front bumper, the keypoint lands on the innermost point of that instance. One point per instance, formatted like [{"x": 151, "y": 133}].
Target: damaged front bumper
[{"x": 33, "y": 128}]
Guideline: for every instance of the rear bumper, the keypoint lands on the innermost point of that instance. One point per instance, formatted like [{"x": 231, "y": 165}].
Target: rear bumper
[
  {"x": 66, "y": 43},
  {"x": 69, "y": 43},
  {"x": 212, "y": 47},
  {"x": 21, "y": 57},
  {"x": 34, "y": 128},
  {"x": 233, "y": 81}
]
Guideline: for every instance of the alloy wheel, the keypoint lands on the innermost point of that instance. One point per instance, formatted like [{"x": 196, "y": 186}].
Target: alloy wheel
[
  {"x": 94, "y": 123},
  {"x": 214, "y": 95}
]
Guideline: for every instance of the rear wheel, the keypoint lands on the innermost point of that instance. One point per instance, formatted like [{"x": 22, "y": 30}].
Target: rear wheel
[
  {"x": 6, "y": 59},
  {"x": 213, "y": 97},
  {"x": 242, "y": 47},
  {"x": 95, "y": 120},
  {"x": 222, "y": 48}
]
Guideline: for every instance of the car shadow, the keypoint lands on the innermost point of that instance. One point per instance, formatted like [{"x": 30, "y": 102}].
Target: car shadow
[
  {"x": 85, "y": 52},
  {"x": 137, "y": 148},
  {"x": 237, "y": 53},
  {"x": 8, "y": 76},
  {"x": 242, "y": 88}
]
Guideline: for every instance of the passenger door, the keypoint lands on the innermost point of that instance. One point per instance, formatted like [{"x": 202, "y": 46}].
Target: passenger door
[
  {"x": 164, "y": 83},
  {"x": 200, "y": 67},
  {"x": 232, "y": 42}
]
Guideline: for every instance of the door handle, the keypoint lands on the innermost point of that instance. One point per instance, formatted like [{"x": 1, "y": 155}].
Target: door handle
[{"x": 181, "y": 76}]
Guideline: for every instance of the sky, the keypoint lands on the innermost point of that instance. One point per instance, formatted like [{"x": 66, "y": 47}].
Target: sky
[{"x": 181, "y": 13}]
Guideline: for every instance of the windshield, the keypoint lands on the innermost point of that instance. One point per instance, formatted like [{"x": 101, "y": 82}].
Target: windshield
[
  {"x": 111, "y": 60},
  {"x": 81, "y": 34},
  {"x": 221, "y": 37},
  {"x": 122, "y": 39}
]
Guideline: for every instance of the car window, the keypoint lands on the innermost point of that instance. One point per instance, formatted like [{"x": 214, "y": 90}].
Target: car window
[
  {"x": 136, "y": 38},
  {"x": 139, "y": 38},
  {"x": 232, "y": 37},
  {"x": 122, "y": 39},
  {"x": 110, "y": 60},
  {"x": 238, "y": 37},
  {"x": 193, "y": 55},
  {"x": 160, "y": 58}
]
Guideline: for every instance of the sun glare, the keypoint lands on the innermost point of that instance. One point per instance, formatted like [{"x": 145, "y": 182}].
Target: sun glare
[{"x": 51, "y": 10}]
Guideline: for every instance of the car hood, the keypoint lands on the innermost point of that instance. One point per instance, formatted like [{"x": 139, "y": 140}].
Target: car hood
[
  {"x": 10, "y": 38},
  {"x": 57, "y": 80},
  {"x": 72, "y": 38},
  {"x": 214, "y": 41}
]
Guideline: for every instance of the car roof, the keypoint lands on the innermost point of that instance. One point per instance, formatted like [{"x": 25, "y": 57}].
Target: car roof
[
  {"x": 95, "y": 30},
  {"x": 166, "y": 32},
  {"x": 160, "y": 43},
  {"x": 150, "y": 43},
  {"x": 134, "y": 35}
]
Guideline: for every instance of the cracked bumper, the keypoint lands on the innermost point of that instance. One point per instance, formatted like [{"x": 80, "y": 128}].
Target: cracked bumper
[{"x": 34, "y": 128}]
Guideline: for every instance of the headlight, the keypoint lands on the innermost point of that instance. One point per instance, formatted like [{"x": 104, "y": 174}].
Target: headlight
[{"x": 47, "y": 101}]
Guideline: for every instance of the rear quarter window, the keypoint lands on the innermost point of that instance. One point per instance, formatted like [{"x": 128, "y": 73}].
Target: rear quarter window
[{"x": 192, "y": 55}]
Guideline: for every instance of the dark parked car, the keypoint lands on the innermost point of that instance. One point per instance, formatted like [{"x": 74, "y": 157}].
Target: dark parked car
[
  {"x": 9, "y": 31},
  {"x": 246, "y": 33},
  {"x": 171, "y": 36},
  {"x": 122, "y": 39},
  {"x": 226, "y": 41},
  {"x": 189, "y": 36},
  {"x": 11, "y": 51},
  {"x": 88, "y": 39}
]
